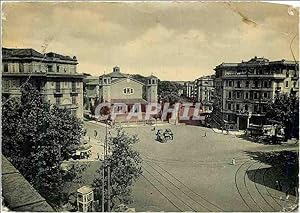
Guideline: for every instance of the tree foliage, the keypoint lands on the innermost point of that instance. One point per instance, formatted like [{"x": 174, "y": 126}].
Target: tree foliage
[
  {"x": 124, "y": 163},
  {"x": 285, "y": 112},
  {"x": 168, "y": 87},
  {"x": 36, "y": 138}
]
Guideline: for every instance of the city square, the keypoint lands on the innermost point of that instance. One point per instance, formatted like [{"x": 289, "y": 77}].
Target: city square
[{"x": 194, "y": 172}]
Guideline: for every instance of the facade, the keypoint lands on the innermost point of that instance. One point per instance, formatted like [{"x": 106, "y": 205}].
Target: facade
[
  {"x": 205, "y": 91},
  {"x": 189, "y": 89},
  {"x": 91, "y": 88},
  {"x": 245, "y": 88},
  {"x": 54, "y": 75},
  {"x": 117, "y": 87}
]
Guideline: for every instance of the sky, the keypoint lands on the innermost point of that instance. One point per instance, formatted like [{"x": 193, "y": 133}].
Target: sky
[{"x": 172, "y": 40}]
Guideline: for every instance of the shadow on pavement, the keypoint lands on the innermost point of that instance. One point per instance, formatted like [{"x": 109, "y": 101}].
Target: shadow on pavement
[{"x": 284, "y": 169}]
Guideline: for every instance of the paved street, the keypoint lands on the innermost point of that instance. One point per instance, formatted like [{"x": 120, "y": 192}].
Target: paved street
[{"x": 194, "y": 172}]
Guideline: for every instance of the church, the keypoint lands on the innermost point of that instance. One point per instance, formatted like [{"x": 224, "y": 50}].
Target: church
[{"x": 118, "y": 87}]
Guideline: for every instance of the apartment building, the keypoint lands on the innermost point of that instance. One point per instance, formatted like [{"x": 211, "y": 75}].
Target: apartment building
[
  {"x": 54, "y": 75},
  {"x": 244, "y": 89},
  {"x": 189, "y": 89},
  {"x": 205, "y": 88}
]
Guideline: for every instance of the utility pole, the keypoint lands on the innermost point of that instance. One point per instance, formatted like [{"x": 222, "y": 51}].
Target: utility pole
[{"x": 108, "y": 188}]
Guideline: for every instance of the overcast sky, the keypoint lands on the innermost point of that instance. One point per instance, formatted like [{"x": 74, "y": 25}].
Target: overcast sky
[{"x": 174, "y": 41}]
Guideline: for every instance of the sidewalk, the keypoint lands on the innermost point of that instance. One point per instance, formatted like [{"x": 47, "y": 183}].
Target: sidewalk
[
  {"x": 235, "y": 133},
  {"x": 130, "y": 125}
]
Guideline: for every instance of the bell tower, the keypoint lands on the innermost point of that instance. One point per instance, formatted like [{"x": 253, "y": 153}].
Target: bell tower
[
  {"x": 104, "y": 88},
  {"x": 151, "y": 89}
]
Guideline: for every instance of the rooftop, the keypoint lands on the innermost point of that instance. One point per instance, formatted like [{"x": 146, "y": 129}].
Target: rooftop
[
  {"x": 32, "y": 53},
  {"x": 85, "y": 190}
]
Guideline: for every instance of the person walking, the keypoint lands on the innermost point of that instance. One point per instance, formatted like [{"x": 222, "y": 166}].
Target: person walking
[
  {"x": 95, "y": 133},
  {"x": 233, "y": 161}
]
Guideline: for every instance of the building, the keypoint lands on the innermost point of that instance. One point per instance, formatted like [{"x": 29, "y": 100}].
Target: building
[
  {"x": 117, "y": 87},
  {"x": 205, "y": 92},
  {"x": 243, "y": 89},
  {"x": 54, "y": 75},
  {"x": 189, "y": 89},
  {"x": 90, "y": 90}
]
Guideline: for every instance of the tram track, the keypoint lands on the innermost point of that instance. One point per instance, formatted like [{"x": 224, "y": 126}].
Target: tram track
[
  {"x": 170, "y": 192},
  {"x": 203, "y": 199}
]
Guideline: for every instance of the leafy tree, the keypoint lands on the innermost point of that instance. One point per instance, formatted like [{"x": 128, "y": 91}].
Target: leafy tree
[
  {"x": 285, "y": 112},
  {"x": 168, "y": 87},
  {"x": 124, "y": 163},
  {"x": 36, "y": 138}
]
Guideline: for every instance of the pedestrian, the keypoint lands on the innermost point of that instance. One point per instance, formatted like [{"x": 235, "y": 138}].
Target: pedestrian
[
  {"x": 233, "y": 161},
  {"x": 204, "y": 134},
  {"x": 95, "y": 133},
  {"x": 277, "y": 183},
  {"x": 98, "y": 156}
]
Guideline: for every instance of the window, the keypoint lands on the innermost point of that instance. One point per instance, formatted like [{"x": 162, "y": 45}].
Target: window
[
  {"x": 255, "y": 95},
  {"x": 74, "y": 100},
  {"x": 65, "y": 69},
  {"x": 229, "y": 106},
  {"x": 237, "y": 106},
  {"x": 246, "y": 95},
  {"x": 247, "y": 84},
  {"x": 265, "y": 94},
  {"x": 66, "y": 84},
  {"x": 6, "y": 84},
  {"x": 57, "y": 100},
  {"x": 255, "y": 108},
  {"x": 286, "y": 84},
  {"x": 105, "y": 81},
  {"x": 238, "y": 95},
  {"x": 57, "y": 68},
  {"x": 229, "y": 95},
  {"x": 50, "y": 68},
  {"x": 265, "y": 84},
  {"x": 295, "y": 84},
  {"x": 57, "y": 86},
  {"x": 73, "y": 86},
  {"x": 128, "y": 91},
  {"x": 246, "y": 107},
  {"x": 287, "y": 73},
  {"x": 256, "y": 84},
  {"x": 153, "y": 81},
  {"x": 230, "y": 83},
  {"x": 21, "y": 67},
  {"x": 5, "y": 67},
  {"x": 238, "y": 84}
]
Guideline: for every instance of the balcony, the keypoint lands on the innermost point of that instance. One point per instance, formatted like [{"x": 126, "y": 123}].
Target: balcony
[{"x": 245, "y": 76}]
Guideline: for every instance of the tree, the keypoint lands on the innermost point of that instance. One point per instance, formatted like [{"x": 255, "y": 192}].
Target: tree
[
  {"x": 124, "y": 163},
  {"x": 36, "y": 138},
  {"x": 285, "y": 112}
]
